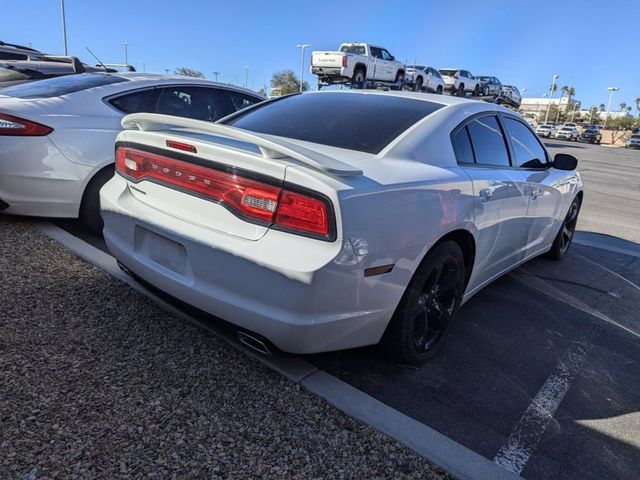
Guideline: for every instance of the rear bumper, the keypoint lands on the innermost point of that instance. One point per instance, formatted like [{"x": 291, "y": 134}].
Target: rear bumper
[
  {"x": 332, "y": 307},
  {"x": 36, "y": 178}
]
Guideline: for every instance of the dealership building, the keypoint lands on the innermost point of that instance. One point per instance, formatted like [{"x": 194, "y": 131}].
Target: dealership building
[{"x": 536, "y": 108}]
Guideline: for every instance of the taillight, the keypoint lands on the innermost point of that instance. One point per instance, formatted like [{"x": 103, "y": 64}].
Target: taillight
[
  {"x": 250, "y": 199},
  {"x": 344, "y": 61},
  {"x": 19, "y": 127}
]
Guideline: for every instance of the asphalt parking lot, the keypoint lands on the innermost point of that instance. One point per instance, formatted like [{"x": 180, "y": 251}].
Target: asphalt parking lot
[{"x": 539, "y": 372}]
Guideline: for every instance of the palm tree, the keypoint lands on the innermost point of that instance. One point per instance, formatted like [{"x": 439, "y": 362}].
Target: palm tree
[
  {"x": 602, "y": 107},
  {"x": 637, "y": 101},
  {"x": 623, "y": 106},
  {"x": 570, "y": 93}
]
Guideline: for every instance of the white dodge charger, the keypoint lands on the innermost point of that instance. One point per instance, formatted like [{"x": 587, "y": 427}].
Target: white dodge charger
[{"x": 332, "y": 220}]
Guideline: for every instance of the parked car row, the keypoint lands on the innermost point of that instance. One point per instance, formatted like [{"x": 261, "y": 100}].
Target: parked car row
[
  {"x": 362, "y": 64},
  {"x": 570, "y": 131}
]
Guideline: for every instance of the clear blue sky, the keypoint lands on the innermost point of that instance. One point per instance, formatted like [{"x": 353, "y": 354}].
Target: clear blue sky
[{"x": 591, "y": 44}]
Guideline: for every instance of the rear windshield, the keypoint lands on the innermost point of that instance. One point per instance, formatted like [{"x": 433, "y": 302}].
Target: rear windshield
[
  {"x": 356, "y": 121},
  {"x": 355, "y": 49},
  {"x": 54, "y": 87},
  {"x": 448, "y": 73}
]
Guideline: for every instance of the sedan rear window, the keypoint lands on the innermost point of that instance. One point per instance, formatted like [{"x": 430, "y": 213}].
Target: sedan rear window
[
  {"x": 366, "y": 122},
  {"x": 54, "y": 87}
]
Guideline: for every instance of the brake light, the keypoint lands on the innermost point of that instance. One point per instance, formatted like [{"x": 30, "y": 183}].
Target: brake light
[
  {"x": 250, "y": 199},
  {"x": 19, "y": 127},
  {"x": 181, "y": 146},
  {"x": 344, "y": 61}
]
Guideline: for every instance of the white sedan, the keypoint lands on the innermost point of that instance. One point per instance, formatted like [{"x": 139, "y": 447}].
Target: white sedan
[
  {"x": 312, "y": 230},
  {"x": 57, "y": 135}
]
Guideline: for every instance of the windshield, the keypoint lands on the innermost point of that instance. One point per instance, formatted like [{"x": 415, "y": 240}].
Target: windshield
[
  {"x": 448, "y": 73},
  {"x": 355, "y": 49},
  {"x": 417, "y": 67},
  {"x": 336, "y": 119},
  {"x": 55, "y": 87}
]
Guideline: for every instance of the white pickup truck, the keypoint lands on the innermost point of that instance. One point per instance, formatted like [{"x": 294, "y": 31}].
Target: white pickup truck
[{"x": 356, "y": 63}]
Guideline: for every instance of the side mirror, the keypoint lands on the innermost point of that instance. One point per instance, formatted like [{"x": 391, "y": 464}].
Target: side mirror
[
  {"x": 564, "y": 161},
  {"x": 393, "y": 59}
]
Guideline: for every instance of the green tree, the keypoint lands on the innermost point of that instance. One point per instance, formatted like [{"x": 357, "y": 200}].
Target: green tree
[
  {"x": 602, "y": 107},
  {"x": 286, "y": 82},
  {"x": 262, "y": 92},
  {"x": 188, "y": 72},
  {"x": 623, "y": 106}
]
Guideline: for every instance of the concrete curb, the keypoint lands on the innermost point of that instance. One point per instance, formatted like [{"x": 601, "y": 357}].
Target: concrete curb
[{"x": 444, "y": 452}]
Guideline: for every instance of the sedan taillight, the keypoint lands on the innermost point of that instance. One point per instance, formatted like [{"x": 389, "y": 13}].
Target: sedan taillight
[
  {"x": 253, "y": 200},
  {"x": 19, "y": 127}
]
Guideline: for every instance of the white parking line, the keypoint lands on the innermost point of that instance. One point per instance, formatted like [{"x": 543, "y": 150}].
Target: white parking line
[{"x": 524, "y": 438}]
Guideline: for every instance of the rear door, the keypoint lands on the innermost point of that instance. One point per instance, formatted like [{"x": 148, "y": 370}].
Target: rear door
[
  {"x": 500, "y": 196},
  {"x": 378, "y": 71},
  {"x": 390, "y": 66},
  {"x": 544, "y": 184}
]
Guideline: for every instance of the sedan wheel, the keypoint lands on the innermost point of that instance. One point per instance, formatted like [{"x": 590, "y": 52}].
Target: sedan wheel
[
  {"x": 563, "y": 240},
  {"x": 428, "y": 306}
]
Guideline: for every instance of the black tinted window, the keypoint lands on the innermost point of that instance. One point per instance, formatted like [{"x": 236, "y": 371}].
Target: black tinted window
[
  {"x": 240, "y": 100},
  {"x": 133, "y": 102},
  {"x": 54, "y": 87},
  {"x": 190, "y": 102},
  {"x": 488, "y": 142},
  {"x": 358, "y": 121},
  {"x": 526, "y": 147},
  {"x": 12, "y": 56},
  {"x": 462, "y": 146}
]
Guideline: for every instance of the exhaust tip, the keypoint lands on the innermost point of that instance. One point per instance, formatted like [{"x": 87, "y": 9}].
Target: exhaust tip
[{"x": 254, "y": 343}]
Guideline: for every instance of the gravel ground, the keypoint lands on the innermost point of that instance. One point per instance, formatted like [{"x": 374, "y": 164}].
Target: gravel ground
[{"x": 96, "y": 381}]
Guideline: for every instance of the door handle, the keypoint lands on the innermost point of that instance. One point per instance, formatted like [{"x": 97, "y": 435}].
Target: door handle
[{"x": 486, "y": 194}]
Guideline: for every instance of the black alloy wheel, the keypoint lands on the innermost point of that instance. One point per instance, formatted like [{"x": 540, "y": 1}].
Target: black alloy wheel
[
  {"x": 428, "y": 307},
  {"x": 564, "y": 237}
]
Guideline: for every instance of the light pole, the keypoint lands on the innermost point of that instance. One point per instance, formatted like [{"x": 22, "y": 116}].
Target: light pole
[
  {"x": 126, "y": 53},
  {"x": 64, "y": 26},
  {"x": 553, "y": 83},
  {"x": 612, "y": 90},
  {"x": 144, "y": 66},
  {"x": 216, "y": 75},
  {"x": 166, "y": 70},
  {"x": 246, "y": 76},
  {"x": 302, "y": 46}
]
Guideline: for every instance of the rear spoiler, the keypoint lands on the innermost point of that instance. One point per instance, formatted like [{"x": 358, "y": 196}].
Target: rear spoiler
[{"x": 270, "y": 147}]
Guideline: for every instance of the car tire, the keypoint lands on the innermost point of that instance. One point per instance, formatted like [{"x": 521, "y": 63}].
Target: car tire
[
  {"x": 418, "y": 86},
  {"x": 460, "y": 92},
  {"x": 359, "y": 78},
  {"x": 398, "y": 83},
  {"x": 476, "y": 91},
  {"x": 563, "y": 239},
  {"x": 428, "y": 306},
  {"x": 486, "y": 91},
  {"x": 90, "y": 205},
  {"x": 439, "y": 90}
]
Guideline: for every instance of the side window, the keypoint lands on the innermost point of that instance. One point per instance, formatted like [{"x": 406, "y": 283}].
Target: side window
[
  {"x": 462, "y": 146},
  {"x": 240, "y": 100},
  {"x": 527, "y": 150},
  {"x": 133, "y": 102},
  {"x": 199, "y": 103},
  {"x": 488, "y": 142},
  {"x": 12, "y": 56},
  {"x": 376, "y": 52},
  {"x": 386, "y": 55}
]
